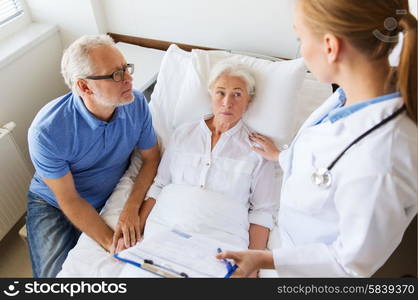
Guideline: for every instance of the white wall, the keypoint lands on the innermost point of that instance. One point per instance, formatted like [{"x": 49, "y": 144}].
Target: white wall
[
  {"x": 246, "y": 25},
  {"x": 73, "y": 17},
  {"x": 28, "y": 83},
  {"x": 413, "y": 7}
]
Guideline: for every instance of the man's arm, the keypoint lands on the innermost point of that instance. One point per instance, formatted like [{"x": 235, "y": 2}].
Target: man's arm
[
  {"x": 128, "y": 225},
  {"x": 80, "y": 212}
]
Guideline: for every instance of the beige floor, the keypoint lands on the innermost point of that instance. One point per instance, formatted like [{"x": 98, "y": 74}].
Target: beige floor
[{"x": 14, "y": 255}]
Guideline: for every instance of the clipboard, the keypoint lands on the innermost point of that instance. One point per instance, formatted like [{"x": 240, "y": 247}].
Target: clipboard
[{"x": 176, "y": 254}]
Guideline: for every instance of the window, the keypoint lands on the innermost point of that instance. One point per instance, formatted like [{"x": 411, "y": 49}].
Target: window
[
  {"x": 9, "y": 9},
  {"x": 14, "y": 16}
]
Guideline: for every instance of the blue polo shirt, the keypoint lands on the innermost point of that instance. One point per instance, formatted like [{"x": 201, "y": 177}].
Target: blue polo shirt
[{"x": 65, "y": 137}]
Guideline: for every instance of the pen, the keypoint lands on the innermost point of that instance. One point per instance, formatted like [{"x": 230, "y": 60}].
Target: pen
[
  {"x": 231, "y": 268},
  {"x": 150, "y": 266},
  {"x": 158, "y": 271},
  {"x": 231, "y": 271},
  {"x": 166, "y": 272}
]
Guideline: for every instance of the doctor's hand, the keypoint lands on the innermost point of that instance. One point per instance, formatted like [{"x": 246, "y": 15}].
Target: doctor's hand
[
  {"x": 265, "y": 147},
  {"x": 127, "y": 228},
  {"x": 249, "y": 261}
]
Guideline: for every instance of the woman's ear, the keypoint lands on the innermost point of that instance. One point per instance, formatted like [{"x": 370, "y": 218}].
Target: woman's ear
[
  {"x": 332, "y": 47},
  {"x": 83, "y": 87}
]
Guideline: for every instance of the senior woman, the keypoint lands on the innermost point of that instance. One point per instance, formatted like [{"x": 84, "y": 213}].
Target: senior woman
[{"x": 214, "y": 154}]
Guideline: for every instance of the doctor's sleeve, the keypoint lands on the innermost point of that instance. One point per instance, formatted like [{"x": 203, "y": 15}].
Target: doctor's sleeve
[
  {"x": 264, "y": 197},
  {"x": 373, "y": 216}
]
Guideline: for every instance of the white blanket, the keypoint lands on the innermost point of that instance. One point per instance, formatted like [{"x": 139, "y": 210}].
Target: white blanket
[{"x": 200, "y": 211}]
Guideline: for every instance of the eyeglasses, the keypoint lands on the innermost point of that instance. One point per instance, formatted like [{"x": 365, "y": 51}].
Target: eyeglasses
[{"x": 117, "y": 76}]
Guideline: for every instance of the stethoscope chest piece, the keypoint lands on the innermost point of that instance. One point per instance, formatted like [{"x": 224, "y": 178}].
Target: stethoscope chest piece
[{"x": 322, "y": 178}]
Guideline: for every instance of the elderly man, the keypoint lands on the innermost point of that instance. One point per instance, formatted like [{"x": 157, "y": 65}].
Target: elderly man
[{"x": 80, "y": 145}]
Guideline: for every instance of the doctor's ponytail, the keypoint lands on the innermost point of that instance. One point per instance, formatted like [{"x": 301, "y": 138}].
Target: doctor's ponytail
[
  {"x": 407, "y": 70},
  {"x": 373, "y": 27}
]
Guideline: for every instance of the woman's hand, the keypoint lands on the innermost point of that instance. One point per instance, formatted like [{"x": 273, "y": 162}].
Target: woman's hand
[
  {"x": 128, "y": 228},
  {"x": 267, "y": 148},
  {"x": 249, "y": 261}
]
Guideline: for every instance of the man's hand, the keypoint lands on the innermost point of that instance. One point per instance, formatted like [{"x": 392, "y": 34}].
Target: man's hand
[
  {"x": 127, "y": 228},
  {"x": 128, "y": 225}
]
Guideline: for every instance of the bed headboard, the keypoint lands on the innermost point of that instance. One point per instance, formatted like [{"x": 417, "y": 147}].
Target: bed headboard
[
  {"x": 158, "y": 44},
  {"x": 150, "y": 43}
]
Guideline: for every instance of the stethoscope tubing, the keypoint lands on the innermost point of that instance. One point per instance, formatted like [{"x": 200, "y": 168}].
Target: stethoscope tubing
[{"x": 381, "y": 123}]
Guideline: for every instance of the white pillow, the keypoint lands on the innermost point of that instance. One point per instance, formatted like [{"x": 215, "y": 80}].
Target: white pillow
[
  {"x": 272, "y": 111},
  {"x": 164, "y": 98}
]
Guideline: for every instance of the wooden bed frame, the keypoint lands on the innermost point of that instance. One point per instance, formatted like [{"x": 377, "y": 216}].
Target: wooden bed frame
[
  {"x": 163, "y": 45},
  {"x": 154, "y": 44}
]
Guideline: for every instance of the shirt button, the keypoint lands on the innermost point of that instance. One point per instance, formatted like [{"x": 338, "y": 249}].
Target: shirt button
[
  {"x": 207, "y": 164},
  {"x": 202, "y": 186},
  {"x": 285, "y": 146}
]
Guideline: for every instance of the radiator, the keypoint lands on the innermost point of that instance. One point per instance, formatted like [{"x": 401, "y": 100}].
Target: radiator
[{"x": 14, "y": 180}]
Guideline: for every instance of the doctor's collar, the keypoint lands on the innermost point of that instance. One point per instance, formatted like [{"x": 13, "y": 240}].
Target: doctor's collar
[
  {"x": 341, "y": 97},
  {"x": 341, "y": 111}
]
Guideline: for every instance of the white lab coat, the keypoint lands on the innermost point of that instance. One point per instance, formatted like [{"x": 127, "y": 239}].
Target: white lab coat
[{"x": 351, "y": 228}]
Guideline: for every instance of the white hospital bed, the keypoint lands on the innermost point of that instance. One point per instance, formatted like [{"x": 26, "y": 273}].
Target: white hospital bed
[{"x": 88, "y": 259}]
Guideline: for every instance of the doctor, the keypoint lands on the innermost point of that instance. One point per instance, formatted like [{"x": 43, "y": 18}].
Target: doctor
[{"x": 349, "y": 187}]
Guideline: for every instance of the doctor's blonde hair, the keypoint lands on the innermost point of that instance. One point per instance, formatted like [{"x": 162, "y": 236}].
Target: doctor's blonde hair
[{"x": 373, "y": 27}]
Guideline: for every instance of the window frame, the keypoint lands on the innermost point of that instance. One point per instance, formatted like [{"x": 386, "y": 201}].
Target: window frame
[{"x": 17, "y": 23}]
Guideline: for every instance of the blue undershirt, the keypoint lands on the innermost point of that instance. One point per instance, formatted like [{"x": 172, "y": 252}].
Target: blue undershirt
[{"x": 341, "y": 111}]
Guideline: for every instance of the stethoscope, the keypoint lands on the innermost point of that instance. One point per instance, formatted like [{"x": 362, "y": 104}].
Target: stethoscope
[{"x": 322, "y": 176}]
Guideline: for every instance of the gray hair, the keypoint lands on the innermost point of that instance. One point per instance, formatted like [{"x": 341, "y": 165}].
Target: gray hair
[
  {"x": 76, "y": 64},
  {"x": 233, "y": 69}
]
